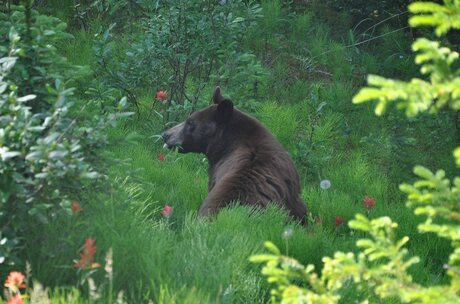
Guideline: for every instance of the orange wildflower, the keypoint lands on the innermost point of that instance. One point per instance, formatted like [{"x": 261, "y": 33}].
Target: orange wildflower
[
  {"x": 15, "y": 300},
  {"x": 87, "y": 256},
  {"x": 161, "y": 96},
  {"x": 76, "y": 207},
  {"x": 15, "y": 281}
]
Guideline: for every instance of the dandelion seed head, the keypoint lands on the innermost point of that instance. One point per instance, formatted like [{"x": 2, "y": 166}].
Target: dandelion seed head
[
  {"x": 325, "y": 184},
  {"x": 287, "y": 233}
]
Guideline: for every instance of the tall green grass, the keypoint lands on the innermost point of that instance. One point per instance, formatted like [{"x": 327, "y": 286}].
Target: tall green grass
[
  {"x": 195, "y": 260},
  {"x": 191, "y": 260}
]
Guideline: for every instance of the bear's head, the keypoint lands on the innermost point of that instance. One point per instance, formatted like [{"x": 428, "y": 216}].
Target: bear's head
[{"x": 200, "y": 128}]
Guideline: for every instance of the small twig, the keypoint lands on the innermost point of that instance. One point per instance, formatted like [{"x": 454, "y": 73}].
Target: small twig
[{"x": 384, "y": 20}]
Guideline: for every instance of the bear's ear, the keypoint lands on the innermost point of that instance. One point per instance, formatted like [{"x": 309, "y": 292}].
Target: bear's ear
[
  {"x": 217, "y": 96},
  {"x": 224, "y": 111}
]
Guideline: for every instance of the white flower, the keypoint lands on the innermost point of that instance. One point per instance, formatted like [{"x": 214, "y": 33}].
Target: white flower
[
  {"x": 287, "y": 233},
  {"x": 325, "y": 184}
]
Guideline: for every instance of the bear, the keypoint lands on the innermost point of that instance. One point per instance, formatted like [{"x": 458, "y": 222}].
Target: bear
[{"x": 246, "y": 162}]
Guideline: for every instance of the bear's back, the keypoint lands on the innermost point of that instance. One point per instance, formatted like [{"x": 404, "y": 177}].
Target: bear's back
[{"x": 256, "y": 168}]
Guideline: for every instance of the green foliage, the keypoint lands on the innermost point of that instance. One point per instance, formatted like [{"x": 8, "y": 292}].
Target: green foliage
[
  {"x": 441, "y": 17},
  {"x": 279, "y": 120},
  {"x": 312, "y": 145},
  {"x": 381, "y": 269},
  {"x": 362, "y": 9},
  {"x": 437, "y": 198},
  {"x": 181, "y": 46},
  {"x": 113, "y": 10},
  {"x": 418, "y": 95},
  {"x": 39, "y": 65},
  {"x": 271, "y": 18},
  {"x": 46, "y": 145},
  {"x": 242, "y": 74},
  {"x": 113, "y": 78},
  {"x": 294, "y": 59},
  {"x": 187, "y": 35},
  {"x": 37, "y": 155}
]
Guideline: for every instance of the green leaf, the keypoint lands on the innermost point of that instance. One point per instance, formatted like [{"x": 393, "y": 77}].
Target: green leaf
[
  {"x": 365, "y": 243},
  {"x": 90, "y": 175},
  {"x": 35, "y": 155},
  {"x": 26, "y": 98},
  {"x": 366, "y": 94},
  {"x": 122, "y": 104},
  {"x": 272, "y": 248},
  {"x": 360, "y": 223},
  {"x": 423, "y": 172},
  {"x": 58, "y": 154},
  {"x": 402, "y": 242},
  {"x": 6, "y": 155},
  {"x": 457, "y": 156},
  {"x": 261, "y": 258},
  {"x": 426, "y": 7},
  {"x": 380, "y": 108}
]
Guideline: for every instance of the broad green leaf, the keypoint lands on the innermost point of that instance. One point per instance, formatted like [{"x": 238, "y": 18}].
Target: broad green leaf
[
  {"x": 90, "y": 175},
  {"x": 26, "y": 98}
]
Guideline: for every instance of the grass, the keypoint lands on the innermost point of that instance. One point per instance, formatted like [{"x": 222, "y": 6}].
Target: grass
[{"x": 186, "y": 259}]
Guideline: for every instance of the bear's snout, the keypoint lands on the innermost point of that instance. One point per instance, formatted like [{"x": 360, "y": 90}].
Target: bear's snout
[
  {"x": 173, "y": 137},
  {"x": 165, "y": 136}
]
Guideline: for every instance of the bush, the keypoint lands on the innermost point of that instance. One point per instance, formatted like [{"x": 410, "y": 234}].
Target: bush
[
  {"x": 45, "y": 142},
  {"x": 39, "y": 64},
  {"x": 181, "y": 45}
]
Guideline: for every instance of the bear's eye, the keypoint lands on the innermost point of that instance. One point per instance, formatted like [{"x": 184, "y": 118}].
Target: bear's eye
[{"x": 190, "y": 125}]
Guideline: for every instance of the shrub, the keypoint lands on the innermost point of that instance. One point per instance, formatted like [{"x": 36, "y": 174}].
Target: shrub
[
  {"x": 45, "y": 142},
  {"x": 37, "y": 158},
  {"x": 39, "y": 64},
  {"x": 180, "y": 47}
]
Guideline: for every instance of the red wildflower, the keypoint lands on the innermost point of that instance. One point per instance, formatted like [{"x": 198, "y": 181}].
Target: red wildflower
[
  {"x": 15, "y": 300},
  {"x": 338, "y": 220},
  {"x": 75, "y": 206},
  {"x": 369, "y": 202},
  {"x": 87, "y": 256},
  {"x": 167, "y": 211},
  {"x": 161, "y": 96},
  {"x": 161, "y": 156},
  {"x": 15, "y": 281}
]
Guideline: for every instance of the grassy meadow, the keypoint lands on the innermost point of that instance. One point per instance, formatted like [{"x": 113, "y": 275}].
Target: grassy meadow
[{"x": 312, "y": 69}]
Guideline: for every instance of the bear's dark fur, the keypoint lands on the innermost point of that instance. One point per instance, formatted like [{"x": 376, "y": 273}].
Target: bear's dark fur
[{"x": 246, "y": 162}]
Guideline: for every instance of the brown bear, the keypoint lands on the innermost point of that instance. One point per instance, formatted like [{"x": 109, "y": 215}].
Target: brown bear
[{"x": 246, "y": 163}]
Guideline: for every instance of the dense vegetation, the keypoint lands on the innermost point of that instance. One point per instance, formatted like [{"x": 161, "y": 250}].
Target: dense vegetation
[
  {"x": 95, "y": 210},
  {"x": 380, "y": 269}
]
